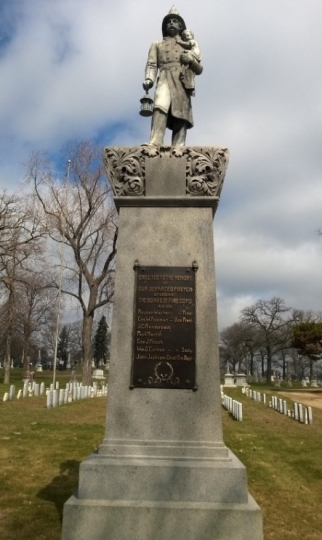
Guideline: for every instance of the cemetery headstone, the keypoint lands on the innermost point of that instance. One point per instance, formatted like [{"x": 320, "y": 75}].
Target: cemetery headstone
[
  {"x": 296, "y": 411},
  {"x": 310, "y": 415},
  {"x": 49, "y": 403},
  {"x": 12, "y": 392},
  {"x": 61, "y": 396},
  {"x": 25, "y": 389},
  {"x": 229, "y": 380},
  {"x": 98, "y": 375},
  {"x": 55, "y": 398},
  {"x": 301, "y": 413},
  {"x": 241, "y": 379}
]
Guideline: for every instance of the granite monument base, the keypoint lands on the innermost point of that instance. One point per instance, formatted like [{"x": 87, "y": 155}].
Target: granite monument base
[
  {"x": 163, "y": 471},
  {"x": 148, "y": 520}
]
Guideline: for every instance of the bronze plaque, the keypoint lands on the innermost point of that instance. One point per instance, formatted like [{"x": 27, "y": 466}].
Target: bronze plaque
[{"x": 164, "y": 347}]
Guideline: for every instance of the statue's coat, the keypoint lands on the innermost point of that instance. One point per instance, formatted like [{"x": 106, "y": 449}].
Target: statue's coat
[{"x": 170, "y": 95}]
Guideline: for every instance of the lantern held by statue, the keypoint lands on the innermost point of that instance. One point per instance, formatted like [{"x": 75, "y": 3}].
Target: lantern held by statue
[{"x": 146, "y": 105}]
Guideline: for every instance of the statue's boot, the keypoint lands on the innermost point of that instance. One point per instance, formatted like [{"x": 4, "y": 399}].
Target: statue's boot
[
  {"x": 159, "y": 124},
  {"x": 179, "y": 132}
]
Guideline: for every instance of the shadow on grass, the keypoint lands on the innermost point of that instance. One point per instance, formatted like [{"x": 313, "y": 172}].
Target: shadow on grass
[{"x": 62, "y": 486}]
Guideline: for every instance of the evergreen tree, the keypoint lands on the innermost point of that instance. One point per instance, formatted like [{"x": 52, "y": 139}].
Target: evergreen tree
[
  {"x": 101, "y": 341},
  {"x": 63, "y": 345},
  {"x": 307, "y": 339}
]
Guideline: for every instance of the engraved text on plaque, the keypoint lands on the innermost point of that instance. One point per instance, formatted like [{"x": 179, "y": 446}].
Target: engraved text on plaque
[{"x": 164, "y": 328}]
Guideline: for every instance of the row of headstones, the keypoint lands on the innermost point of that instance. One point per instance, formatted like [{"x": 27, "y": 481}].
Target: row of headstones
[
  {"x": 299, "y": 413},
  {"x": 233, "y": 406},
  {"x": 74, "y": 392},
  {"x": 31, "y": 389},
  {"x": 313, "y": 383}
]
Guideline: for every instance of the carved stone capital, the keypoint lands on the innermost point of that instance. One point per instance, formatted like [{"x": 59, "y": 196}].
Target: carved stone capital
[
  {"x": 125, "y": 169},
  {"x": 205, "y": 168}
]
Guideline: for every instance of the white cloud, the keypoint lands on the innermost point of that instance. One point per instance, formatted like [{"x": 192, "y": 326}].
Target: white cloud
[{"x": 74, "y": 69}]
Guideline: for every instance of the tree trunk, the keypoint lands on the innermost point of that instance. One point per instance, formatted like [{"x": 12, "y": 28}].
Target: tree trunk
[
  {"x": 283, "y": 365},
  {"x": 239, "y": 365},
  {"x": 311, "y": 369},
  {"x": 263, "y": 364},
  {"x": 26, "y": 348},
  {"x": 7, "y": 364},
  {"x": 26, "y": 359},
  {"x": 87, "y": 348},
  {"x": 11, "y": 301},
  {"x": 269, "y": 363},
  {"x": 252, "y": 362}
]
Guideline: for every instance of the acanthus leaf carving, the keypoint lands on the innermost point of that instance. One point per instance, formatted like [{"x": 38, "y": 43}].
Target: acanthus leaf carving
[
  {"x": 125, "y": 169},
  {"x": 206, "y": 168}
]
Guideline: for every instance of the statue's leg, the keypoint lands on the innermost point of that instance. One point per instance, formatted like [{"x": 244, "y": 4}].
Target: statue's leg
[
  {"x": 179, "y": 132},
  {"x": 159, "y": 124}
]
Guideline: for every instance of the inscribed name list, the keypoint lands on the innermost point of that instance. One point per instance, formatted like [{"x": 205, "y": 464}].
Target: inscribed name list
[{"x": 164, "y": 328}]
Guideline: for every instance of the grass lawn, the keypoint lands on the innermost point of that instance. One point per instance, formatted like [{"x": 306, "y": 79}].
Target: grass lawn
[
  {"x": 40, "y": 452},
  {"x": 283, "y": 460}
]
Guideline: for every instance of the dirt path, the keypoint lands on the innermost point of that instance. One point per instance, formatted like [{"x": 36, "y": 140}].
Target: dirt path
[{"x": 310, "y": 399}]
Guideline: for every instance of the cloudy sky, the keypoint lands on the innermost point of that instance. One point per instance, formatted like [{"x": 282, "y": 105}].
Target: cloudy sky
[{"x": 73, "y": 69}]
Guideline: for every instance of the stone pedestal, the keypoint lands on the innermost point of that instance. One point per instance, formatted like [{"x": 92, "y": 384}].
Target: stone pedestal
[
  {"x": 229, "y": 380},
  {"x": 163, "y": 470},
  {"x": 241, "y": 379}
]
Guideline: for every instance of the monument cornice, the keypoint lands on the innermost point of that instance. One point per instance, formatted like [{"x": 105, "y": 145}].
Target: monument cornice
[{"x": 201, "y": 170}]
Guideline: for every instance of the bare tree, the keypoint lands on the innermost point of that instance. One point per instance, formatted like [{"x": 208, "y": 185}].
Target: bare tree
[
  {"x": 20, "y": 241},
  {"x": 240, "y": 343},
  {"x": 34, "y": 310},
  {"x": 268, "y": 318},
  {"x": 19, "y": 227},
  {"x": 80, "y": 213},
  {"x": 232, "y": 345}
]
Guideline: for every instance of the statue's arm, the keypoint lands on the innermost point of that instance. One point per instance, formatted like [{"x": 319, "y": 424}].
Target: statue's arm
[
  {"x": 185, "y": 44},
  {"x": 187, "y": 58},
  {"x": 196, "y": 51},
  {"x": 151, "y": 68},
  {"x": 196, "y": 66}
]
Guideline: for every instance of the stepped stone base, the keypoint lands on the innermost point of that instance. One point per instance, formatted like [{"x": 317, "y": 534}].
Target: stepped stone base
[
  {"x": 145, "y": 498},
  {"x": 148, "y": 520}
]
